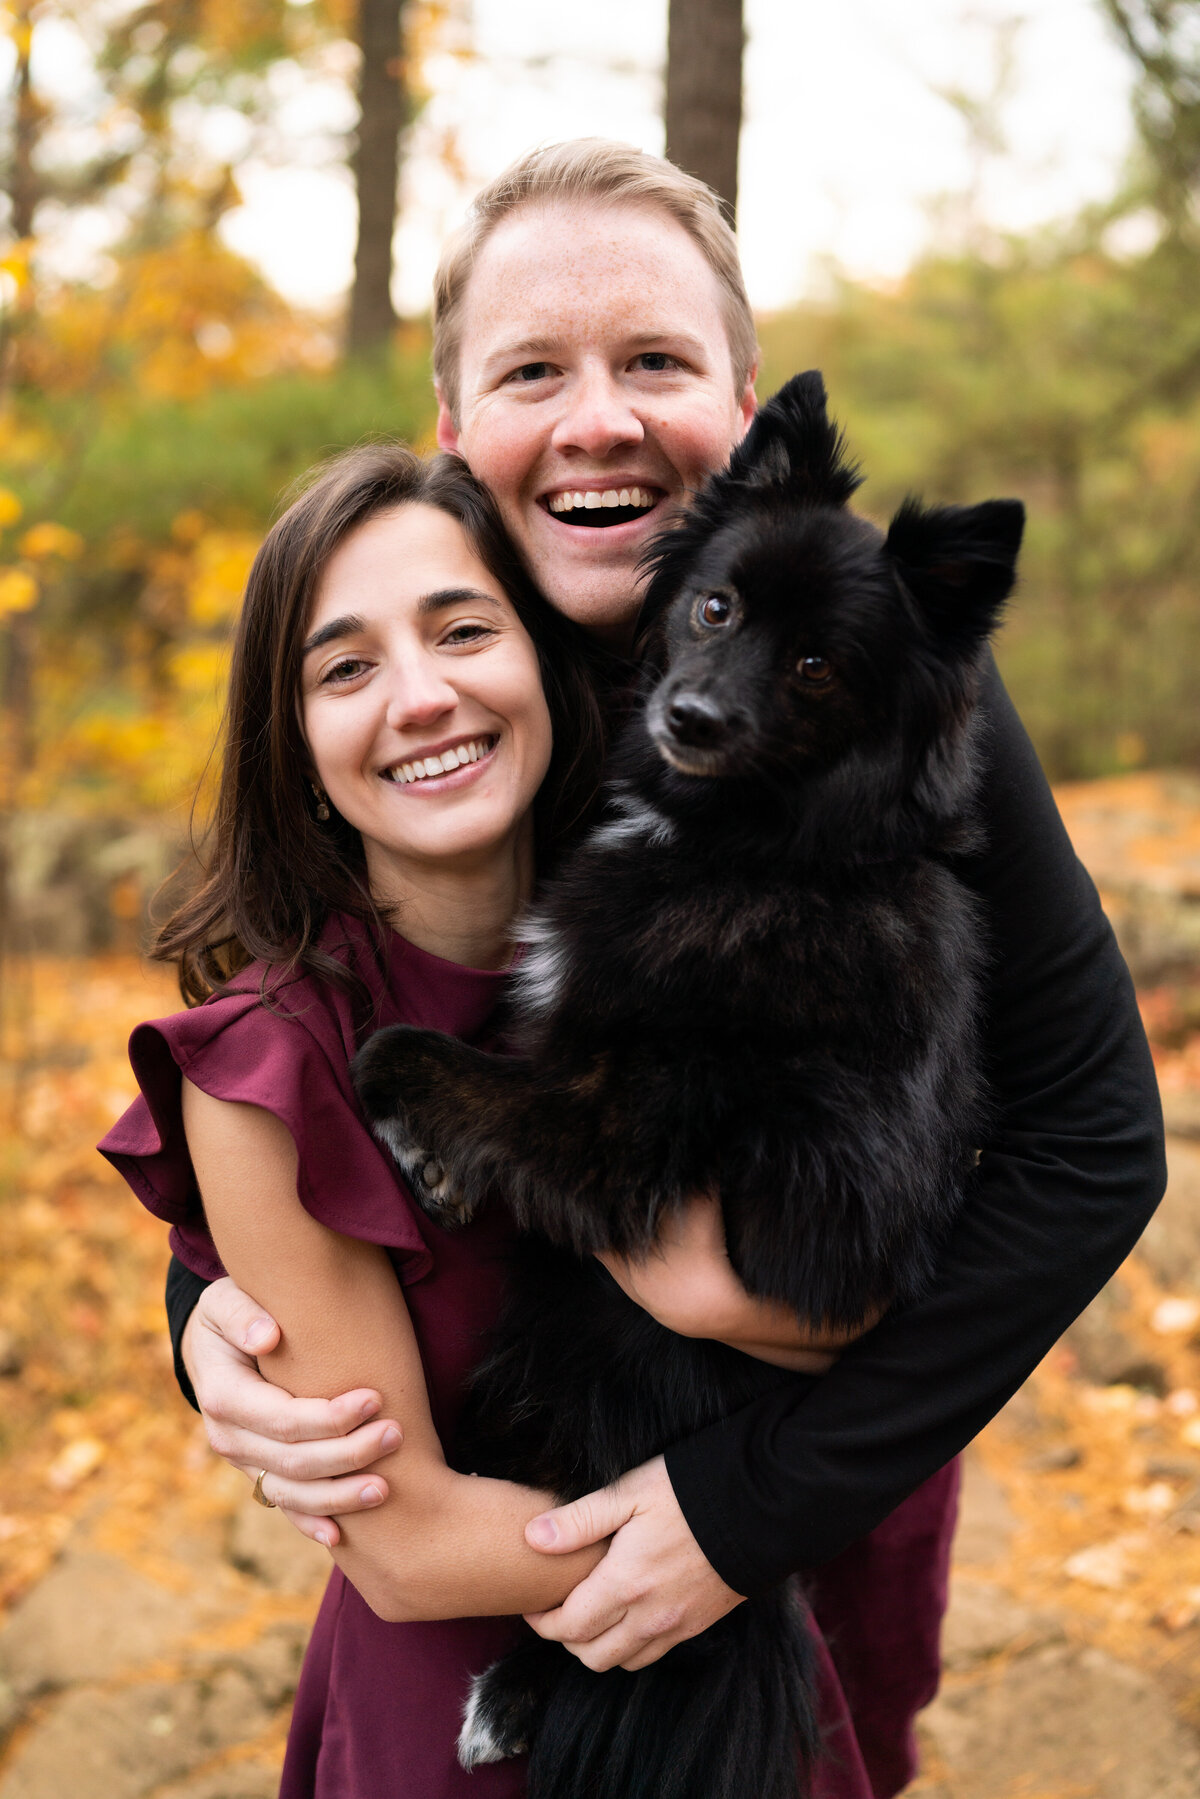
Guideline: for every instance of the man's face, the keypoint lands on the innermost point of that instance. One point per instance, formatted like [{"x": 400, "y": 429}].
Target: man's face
[{"x": 596, "y": 386}]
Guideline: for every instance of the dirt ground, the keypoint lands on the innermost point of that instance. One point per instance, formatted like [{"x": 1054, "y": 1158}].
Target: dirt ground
[{"x": 152, "y": 1619}]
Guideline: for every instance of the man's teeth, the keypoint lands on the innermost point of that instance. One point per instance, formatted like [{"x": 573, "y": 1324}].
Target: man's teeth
[
  {"x": 420, "y": 770},
  {"x": 592, "y": 500}
]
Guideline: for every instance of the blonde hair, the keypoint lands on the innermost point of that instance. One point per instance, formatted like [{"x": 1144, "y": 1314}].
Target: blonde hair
[{"x": 591, "y": 168}]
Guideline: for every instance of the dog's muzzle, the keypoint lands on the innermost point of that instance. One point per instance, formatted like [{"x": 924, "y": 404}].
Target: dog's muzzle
[{"x": 694, "y": 732}]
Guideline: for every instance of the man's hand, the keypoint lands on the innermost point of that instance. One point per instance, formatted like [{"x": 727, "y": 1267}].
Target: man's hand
[
  {"x": 654, "y": 1587},
  {"x": 309, "y": 1447},
  {"x": 687, "y": 1283}
]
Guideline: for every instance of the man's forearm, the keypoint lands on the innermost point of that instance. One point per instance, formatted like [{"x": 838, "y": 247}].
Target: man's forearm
[{"x": 183, "y": 1291}]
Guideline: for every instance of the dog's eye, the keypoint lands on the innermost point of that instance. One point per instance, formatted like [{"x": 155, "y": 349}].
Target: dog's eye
[
  {"x": 815, "y": 669},
  {"x": 714, "y": 610}
]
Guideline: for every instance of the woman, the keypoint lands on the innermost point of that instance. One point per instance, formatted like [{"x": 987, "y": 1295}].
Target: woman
[{"x": 410, "y": 733}]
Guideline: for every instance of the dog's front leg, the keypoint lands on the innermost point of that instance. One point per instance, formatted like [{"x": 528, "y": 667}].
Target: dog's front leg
[{"x": 444, "y": 1110}]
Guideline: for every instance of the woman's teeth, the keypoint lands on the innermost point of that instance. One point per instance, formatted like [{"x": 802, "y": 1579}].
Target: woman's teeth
[
  {"x": 593, "y": 500},
  {"x": 421, "y": 768}
]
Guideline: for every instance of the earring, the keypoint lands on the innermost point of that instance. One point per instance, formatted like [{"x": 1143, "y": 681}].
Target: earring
[{"x": 322, "y": 803}]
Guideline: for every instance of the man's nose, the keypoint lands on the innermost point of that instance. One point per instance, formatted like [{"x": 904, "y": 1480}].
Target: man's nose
[{"x": 598, "y": 417}]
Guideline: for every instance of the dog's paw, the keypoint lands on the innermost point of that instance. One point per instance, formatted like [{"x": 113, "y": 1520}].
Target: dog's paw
[
  {"x": 489, "y": 1732},
  {"x": 428, "y": 1182}
]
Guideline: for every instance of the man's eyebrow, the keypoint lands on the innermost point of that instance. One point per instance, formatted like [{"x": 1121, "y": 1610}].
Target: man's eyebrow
[
  {"x": 348, "y": 626},
  {"x": 538, "y": 349}
]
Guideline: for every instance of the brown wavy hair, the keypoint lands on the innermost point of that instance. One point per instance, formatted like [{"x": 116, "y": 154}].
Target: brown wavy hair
[{"x": 272, "y": 873}]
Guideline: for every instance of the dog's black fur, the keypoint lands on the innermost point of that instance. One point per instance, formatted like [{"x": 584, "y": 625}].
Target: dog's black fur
[{"x": 758, "y": 974}]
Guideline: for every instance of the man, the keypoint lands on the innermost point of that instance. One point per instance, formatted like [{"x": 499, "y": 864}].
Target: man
[{"x": 595, "y": 359}]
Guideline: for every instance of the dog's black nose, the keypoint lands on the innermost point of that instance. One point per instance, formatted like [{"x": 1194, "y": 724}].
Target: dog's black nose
[{"x": 696, "y": 721}]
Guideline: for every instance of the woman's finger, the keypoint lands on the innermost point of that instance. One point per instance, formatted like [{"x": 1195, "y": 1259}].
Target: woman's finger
[{"x": 311, "y": 1463}]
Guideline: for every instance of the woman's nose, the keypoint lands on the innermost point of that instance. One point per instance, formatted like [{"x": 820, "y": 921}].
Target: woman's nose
[
  {"x": 419, "y": 693},
  {"x": 597, "y": 418}
]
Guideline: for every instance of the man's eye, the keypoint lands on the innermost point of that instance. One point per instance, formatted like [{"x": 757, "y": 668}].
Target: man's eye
[
  {"x": 531, "y": 371},
  {"x": 655, "y": 360}
]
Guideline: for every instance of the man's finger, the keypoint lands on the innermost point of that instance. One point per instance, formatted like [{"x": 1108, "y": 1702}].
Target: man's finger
[
  {"x": 584, "y": 1521},
  {"x": 232, "y": 1314},
  {"x": 316, "y": 1460},
  {"x": 578, "y": 1627},
  {"x": 241, "y": 1399}
]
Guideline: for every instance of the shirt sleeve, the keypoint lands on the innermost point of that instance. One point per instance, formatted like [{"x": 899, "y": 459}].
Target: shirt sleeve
[
  {"x": 1068, "y": 1179},
  {"x": 242, "y": 1050}
]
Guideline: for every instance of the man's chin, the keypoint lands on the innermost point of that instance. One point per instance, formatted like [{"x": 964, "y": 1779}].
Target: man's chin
[{"x": 603, "y": 600}]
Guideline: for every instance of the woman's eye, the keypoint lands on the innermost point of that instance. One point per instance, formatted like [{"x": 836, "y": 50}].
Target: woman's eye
[
  {"x": 715, "y": 610},
  {"x": 345, "y": 670},
  {"x": 468, "y": 634},
  {"x": 815, "y": 669}
]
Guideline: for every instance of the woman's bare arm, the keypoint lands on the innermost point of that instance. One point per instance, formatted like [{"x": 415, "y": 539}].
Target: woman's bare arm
[{"x": 442, "y": 1544}]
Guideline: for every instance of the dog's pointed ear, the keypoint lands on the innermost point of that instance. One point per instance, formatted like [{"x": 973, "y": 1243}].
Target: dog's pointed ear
[
  {"x": 959, "y": 563},
  {"x": 793, "y": 445}
]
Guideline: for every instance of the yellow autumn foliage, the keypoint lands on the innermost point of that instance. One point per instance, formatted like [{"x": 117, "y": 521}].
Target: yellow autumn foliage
[
  {"x": 18, "y": 591},
  {"x": 42, "y": 541},
  {"x": 221, "y": 563},
  {"x": 10, "y": 508}
]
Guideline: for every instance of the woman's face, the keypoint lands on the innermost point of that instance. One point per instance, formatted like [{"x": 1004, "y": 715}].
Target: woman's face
[{"x": 421, "y": 701}]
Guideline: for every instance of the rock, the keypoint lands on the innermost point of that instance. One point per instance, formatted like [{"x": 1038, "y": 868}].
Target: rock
[
  {"x": 1061, "y": 1719},
  {"x": 982, "y": 1620},
  {"x": 985, "y": 1522},
  {"x": 264, "y": 1544},
  {"x": 91, "y": 1617},
  {"x": 124, "y": 1744},
  {"x": 1170, "y": 1245},
  {"x": 240, "y": 1782},
  {"x": 1055, "y": 1460},
  {"x": 1107, "y": 1356},
  {"x": 12, "y": 1355},
  {"x": 1181, "y": 1113},
  {"x": 10, "y": 1708}
]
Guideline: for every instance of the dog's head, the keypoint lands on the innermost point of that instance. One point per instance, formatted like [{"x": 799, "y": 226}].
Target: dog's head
[{"x": 792, "y": 638}]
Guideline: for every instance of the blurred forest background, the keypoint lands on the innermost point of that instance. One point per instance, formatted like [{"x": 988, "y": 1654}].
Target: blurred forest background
[
  {"x": 152, "y": 409},
  {"x": 151, "y": 414}
]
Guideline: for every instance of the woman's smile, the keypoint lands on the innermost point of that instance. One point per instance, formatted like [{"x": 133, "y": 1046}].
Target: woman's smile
[{"x": 441, "y": 767}]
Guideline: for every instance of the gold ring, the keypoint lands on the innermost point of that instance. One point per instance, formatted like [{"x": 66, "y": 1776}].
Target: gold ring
[{"x": 259, "y": 1496}]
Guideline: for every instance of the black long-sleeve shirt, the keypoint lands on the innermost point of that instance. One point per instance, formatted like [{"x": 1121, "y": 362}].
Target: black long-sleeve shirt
[{"x": 1067, "y": 1180}]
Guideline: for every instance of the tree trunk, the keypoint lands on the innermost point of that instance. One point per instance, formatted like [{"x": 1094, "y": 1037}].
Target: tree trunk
[
  {"x": 382, "y": 100},
  {"x": 705, "y": 39},
  {"x": 23, "y": 188}
]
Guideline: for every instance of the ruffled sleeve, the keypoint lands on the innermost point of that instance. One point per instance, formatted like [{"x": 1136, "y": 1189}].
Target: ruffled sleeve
[{"x": 292, "y": 1063}]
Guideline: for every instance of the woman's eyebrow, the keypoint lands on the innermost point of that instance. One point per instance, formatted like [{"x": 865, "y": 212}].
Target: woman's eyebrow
[
  {"x": 453, "y": 596},
  {"x": 348, "y": 626}
]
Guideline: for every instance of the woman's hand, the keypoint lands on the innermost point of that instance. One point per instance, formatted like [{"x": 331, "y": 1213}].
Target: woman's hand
[
  {"x": 687, "y": 1283},
  {"x": 312, "y": 1449}
]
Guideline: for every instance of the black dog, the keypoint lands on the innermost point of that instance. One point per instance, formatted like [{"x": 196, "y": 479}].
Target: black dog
[{"x": 757, "y": 975}]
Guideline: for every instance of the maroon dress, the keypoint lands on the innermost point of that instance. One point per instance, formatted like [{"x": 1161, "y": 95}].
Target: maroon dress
[{"x": 378, "y": 1705}]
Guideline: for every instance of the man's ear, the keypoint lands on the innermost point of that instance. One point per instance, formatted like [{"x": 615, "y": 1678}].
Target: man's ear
[
  {"x": 748, "y": 403},
  {"x": 447, "y": 430}
]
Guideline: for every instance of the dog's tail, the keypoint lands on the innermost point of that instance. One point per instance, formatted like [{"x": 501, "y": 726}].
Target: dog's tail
[{"x": 728, "y": 1715}]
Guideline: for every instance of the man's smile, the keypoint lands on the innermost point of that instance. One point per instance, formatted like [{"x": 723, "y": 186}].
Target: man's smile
[{"x": 616, "y": 504}]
